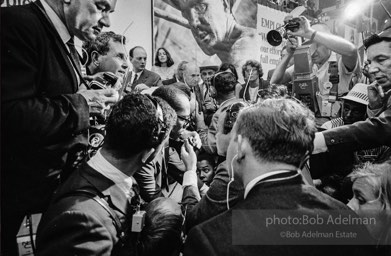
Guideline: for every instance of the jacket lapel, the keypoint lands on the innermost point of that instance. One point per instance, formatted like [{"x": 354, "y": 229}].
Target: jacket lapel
[{"x": 37, "y": 6}]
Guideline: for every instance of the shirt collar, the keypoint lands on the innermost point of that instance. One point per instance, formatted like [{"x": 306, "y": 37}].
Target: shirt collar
[
  {"x": 61, "y": 28},
  {"x": 104, "y": 167},
  {"x": 139, "y": 73},
  {"x": 253, "y": 182}
]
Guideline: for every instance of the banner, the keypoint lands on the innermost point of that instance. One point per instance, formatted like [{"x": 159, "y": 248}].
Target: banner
[
  {"x": 269, "y": 19},
  {"x": 210, "y": 31}
]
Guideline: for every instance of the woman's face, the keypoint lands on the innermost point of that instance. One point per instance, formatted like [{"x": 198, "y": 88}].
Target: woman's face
[
  {"x": 162, "y": 56},
  {"x": 251, "y": 70},
  {"x": 367, "y": 204}
]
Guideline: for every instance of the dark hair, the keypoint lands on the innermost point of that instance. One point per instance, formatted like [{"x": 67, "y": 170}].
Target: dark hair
[
  {"x": 225, "y": 66},
  {"x": 170, "y": 61},
  {"x": 232, "y": 113},
  {"x": 255, "y": 64},
  {"x": 224, "y": 81},
  {"x": 132, "y": 126},
  {"x": 377, "y": 38},
  {"x": 171, "y": 95},
  {"x": 279, "y": 130},
  {"x": 101, "y": 44},
  {"x": 207, "y": 157},
  {"x": 162, "y": 233},
  {"x": 131, "y": 51}
]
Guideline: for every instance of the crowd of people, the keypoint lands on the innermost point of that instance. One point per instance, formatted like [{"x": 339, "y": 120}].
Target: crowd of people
[{"x": 184, "y": 159}]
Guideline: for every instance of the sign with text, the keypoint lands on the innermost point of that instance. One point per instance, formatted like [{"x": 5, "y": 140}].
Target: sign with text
[{"x": 269, "y": 19}]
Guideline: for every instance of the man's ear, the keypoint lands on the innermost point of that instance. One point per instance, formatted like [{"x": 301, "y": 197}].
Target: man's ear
[
  {"x": 146, "y": 155},
  {"x": 244, "y": 147},
  {"x": 95, "y": 57}
]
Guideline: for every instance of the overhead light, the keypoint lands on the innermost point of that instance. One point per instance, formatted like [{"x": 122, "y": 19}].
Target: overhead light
[{"x": 356, "y": 7}]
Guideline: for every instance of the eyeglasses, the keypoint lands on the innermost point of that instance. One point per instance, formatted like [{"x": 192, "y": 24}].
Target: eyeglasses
[{"x": 187, "y": 120}]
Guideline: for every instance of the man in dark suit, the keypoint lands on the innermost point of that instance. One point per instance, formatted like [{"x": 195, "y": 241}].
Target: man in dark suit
[
  {"x": 43, "y": 115},
  {"x": 76, "y": 224},
  {"x": 139, "y": 74},
  {"x": 270, "y": 142}
]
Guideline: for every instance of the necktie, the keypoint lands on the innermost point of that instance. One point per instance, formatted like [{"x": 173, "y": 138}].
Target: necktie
[
  {"x": 74, "y": 55},
  {"x": 134, "y": 81}
]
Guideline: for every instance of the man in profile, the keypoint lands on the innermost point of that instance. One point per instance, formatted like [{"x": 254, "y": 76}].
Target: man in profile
[
  {"x": 268, "y": 146},
  {"x": 107, "y": 53},
  {"x": 44, "y": 113}
]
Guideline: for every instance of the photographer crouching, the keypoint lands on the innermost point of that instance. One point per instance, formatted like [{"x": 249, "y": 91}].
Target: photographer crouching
[{"x": 332, "y": 58}]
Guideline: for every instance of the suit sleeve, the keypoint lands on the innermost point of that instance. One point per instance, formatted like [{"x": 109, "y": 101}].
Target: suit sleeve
[
  {"x": 27, "y": 110},
  {"x": 197, "y": 244},
  {"x": 215, "y": 200},
  {"x": 75, "y": 233},
  {"x": 370, "y": 133},
  {"x": 149, "y": 189}
]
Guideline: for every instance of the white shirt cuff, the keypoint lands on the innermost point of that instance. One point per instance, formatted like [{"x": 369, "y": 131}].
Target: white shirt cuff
[
  {"x": 189, "y": 179},
  {"x": 319, "y": 144}
]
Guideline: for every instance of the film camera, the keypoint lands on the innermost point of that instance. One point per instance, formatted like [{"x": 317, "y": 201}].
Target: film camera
[
  {"x": 274, "y": 37},
  {"x": 107, "y": 81}
]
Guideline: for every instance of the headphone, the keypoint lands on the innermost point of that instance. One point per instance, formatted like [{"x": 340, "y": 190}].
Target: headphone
[
  {"x": 160, "y": 131},
  {"x": 219, "y": 73},
  {"x": 232, "y": 114}
]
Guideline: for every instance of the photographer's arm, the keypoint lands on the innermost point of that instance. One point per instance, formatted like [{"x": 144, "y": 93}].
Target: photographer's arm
[
  {"x": 332, "y": 42},
  {"x": 280, "y": 76}
]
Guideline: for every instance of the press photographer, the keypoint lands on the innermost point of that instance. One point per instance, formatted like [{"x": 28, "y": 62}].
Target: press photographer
[{"x": 328, "y": 54}]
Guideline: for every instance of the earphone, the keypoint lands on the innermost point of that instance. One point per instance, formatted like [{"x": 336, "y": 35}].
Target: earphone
[{"x": 232, "y": 178}]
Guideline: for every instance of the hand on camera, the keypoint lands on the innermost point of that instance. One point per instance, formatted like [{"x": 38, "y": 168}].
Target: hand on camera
[
  {"x": 99, "y": 100},
  {"x": 304, "y": 29}
]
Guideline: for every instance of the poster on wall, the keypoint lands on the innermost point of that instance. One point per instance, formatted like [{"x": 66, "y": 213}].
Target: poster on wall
[
  {"x": 208, "y": 31},
  {"x": 269, "y": 19},
  {"x": 8, "y": 3}
]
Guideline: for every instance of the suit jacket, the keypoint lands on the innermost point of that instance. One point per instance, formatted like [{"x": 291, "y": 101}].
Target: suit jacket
[
  {"x": 243, "y": 231},
  {"x": 154, "y": 176},
  {"x": 42, "y": 117},
  {"x": 371, "y": 133},
  {"x": 215, "y": 200},
  {"x": 77, "y": 225},
  {"x": 148, "y": 78}
]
